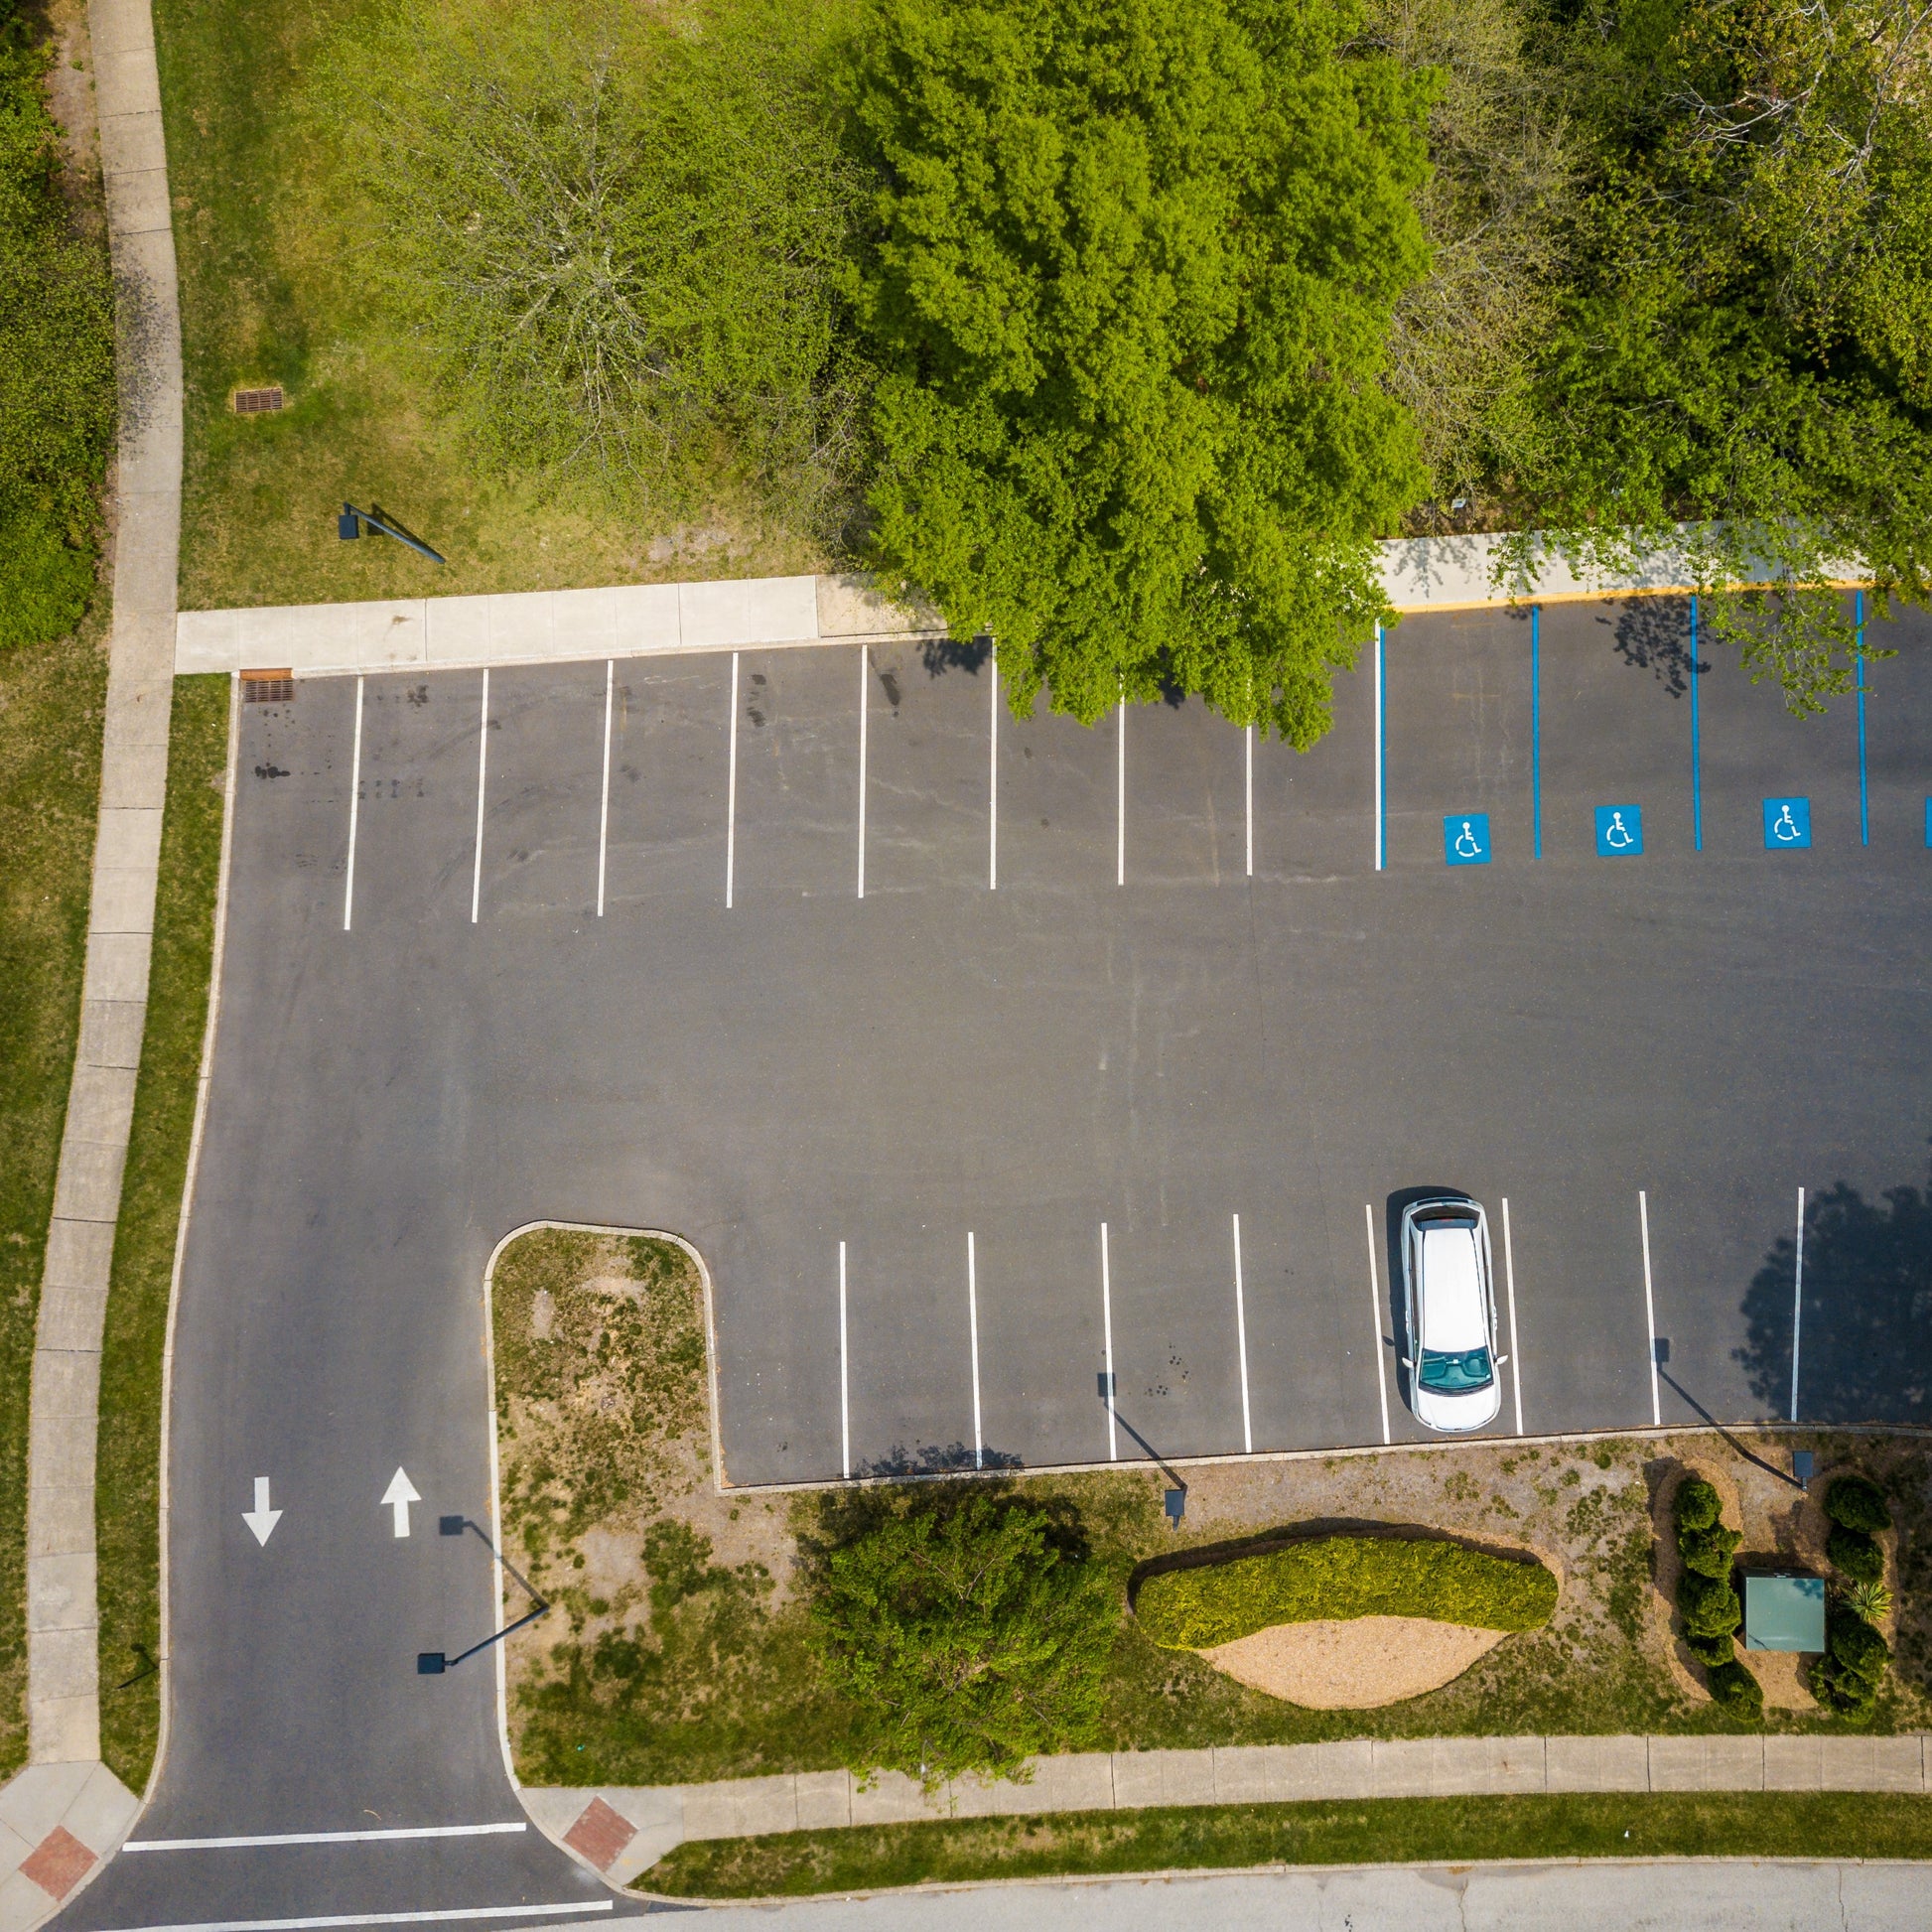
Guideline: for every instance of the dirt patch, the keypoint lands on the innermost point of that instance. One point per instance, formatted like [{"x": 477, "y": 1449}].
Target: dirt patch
[{"x": 1353, "y": 1665}]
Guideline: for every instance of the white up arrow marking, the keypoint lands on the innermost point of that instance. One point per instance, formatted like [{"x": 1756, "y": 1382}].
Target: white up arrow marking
[
  {"x": 400, "y": 1493},
  {"x": 261, "y": 1519}
]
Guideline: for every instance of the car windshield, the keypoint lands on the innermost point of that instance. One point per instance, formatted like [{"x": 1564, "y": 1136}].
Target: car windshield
[{"x": 1455, "y": 1374}]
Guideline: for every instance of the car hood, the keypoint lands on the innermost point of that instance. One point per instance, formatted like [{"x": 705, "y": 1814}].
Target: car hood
[{"x": 1471, "y": 1410}]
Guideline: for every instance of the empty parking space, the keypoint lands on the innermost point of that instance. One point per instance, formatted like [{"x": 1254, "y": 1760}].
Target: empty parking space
[
  {"x": 798, "y": 804},
  {"x": 1187, "y": 796},
  {"x": 1058, "y": 801},
  {"x": 1615, "y": 731},
  {"x": 292, "y": 793},
  {"x": 1315, "y": 810},
  {"x": 1898, "y": 734},
  {"x": 1457, "y": 702},
  {"x": 671, "y": 732},
  {"x": 543, "y": 799},
  {"x": 928, "y": 777},
  {"x": 416, "y": 829}
]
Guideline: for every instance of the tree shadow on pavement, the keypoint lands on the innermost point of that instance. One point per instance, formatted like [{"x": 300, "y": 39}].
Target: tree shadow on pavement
[
  {"x": 1863, "y": 1341},
  {"x": 1653, "y": 634}
]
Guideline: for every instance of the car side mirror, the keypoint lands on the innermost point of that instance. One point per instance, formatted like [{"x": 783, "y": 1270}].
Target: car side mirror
[
  {"x": 1502, "y": 1361},
  {"x": 1406, "y": 1362}
]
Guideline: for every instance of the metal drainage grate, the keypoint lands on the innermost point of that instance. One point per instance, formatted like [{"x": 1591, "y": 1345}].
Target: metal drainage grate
[
  {"x": 259, "y": 402},
  {"x": 267, "y": 687}
]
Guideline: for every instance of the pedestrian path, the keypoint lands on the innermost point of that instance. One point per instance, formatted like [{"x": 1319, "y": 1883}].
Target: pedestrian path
[{"x": 622, "y": 1830}]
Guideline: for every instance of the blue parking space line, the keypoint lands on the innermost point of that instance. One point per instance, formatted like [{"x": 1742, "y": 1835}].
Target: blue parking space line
[
  {"x": 1536, "y": 729},
  {"x": 1864, "y": 794},
  {"x": 1697, "y": 785},
  {"x": 1381, "y": 749}
]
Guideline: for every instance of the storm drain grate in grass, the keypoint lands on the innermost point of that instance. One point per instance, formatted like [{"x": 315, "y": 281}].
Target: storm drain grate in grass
[
  {"x": 259, "y": 402},
  {"x": 267, "y": 687}
]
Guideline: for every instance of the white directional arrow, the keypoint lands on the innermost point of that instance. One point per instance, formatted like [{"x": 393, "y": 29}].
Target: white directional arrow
[
  {"x": 400, "y": 1493},
  {"x": 261, "y": 1519}
]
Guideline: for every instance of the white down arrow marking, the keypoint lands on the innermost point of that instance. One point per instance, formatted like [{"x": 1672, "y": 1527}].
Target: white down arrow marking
[
  {"x": 400, "y": 1493},
  {"x": 261, "y": 1519}
]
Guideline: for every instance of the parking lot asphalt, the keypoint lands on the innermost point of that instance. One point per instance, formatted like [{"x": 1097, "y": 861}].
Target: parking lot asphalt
[{"x": 1095, "y": 1051}]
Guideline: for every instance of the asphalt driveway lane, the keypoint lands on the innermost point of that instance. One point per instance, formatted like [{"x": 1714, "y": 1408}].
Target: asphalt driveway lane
[
  {"x": 797, "y": 774},
  {"x": 670, "y": 732},
  {"x": 928, "y": 779},
  {"x": 1456, "y": 698},
  {"x": 544, "y": 797},
  {"x": 1615, "y": 728}
]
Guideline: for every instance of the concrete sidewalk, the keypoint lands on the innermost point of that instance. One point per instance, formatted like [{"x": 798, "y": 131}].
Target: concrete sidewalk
[{"x": 622, "y": 1830}]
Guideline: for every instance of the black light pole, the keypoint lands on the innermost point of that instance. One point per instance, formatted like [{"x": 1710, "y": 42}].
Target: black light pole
[{"x": 349, "y": 526}]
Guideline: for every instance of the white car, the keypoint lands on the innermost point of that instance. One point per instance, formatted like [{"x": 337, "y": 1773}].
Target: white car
[{"x": 1449, "y": 1306}]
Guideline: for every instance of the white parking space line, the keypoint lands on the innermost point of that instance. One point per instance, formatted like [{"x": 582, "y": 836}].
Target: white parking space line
[
  {"x": 845, "y": 1379},
  {"x": 456, "y": 1915},
  {"x": 864, "y": 672},
  {"x": 483, "y": 770},
  {"x": 973, "y": 1326},
  {"x": 321, "y": 1838},
  {"x": 1119, "y": 800},
  {"x": 1241, "y": 1341},
  {"x": 730, "y": 793},
  {"x": 1797, "y": 1304},
  {"x": 1649, "y": 1312},
  {"x": 1248, "y": 791},
  {"x": 1515, "y": 1340},
  {"x": 1375, "y": 1309},
  {"x": 355, "y": 800},
  {"x": 993, "y": 779},
  {"x": 604, "y": 808},
  {"x": 1107, "y": 1335},
  {"x": 1381, "y": 786}
]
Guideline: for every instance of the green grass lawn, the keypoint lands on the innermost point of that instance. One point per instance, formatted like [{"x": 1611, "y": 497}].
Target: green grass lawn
[
  {"x": 1408, "y": 1831},
  {"x": 266, "y": 298},
  {"x": 50, "y": 702},
  {"x": 127, "y": 1491}
]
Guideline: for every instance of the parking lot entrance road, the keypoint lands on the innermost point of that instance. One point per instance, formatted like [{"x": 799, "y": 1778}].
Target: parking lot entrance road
[{"x": 1120, "y": 1026}]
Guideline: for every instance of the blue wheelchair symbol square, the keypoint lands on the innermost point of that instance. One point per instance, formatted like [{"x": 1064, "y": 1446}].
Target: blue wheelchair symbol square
[
  {"x": 1619, "y": 831},
  {"x": 1465, "y": 838},
  {"x": 1787, "y": 824}
]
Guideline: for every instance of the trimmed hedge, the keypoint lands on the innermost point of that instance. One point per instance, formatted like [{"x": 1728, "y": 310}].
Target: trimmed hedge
[
  {"x": 1733, "y": 1687},
  {"x": 1858, "y": 1504},
  {"x": 1709, "y": 1605},
  {"x": 1857, "y": 1554},
  {"x": 1696, "y": 1506},
  {"x": 1342, "y": 1576}
]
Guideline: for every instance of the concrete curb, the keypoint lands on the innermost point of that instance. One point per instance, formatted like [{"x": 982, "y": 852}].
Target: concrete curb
[
  {"x": 66, "y": 1811},
  {"x": 622, "y": 1830}
]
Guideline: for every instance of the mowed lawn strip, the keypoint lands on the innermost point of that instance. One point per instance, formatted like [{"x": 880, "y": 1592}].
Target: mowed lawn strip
[
  {"x": 1398, "y": 1831},
  {"x": 52, "y": 698},
  {"x": 127, "y": 1483},
  {"x": 1203, "y": 1605}
]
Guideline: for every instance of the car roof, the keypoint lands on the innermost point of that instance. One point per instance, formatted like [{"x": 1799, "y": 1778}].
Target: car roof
[{"x": 1450, "y": 1293}]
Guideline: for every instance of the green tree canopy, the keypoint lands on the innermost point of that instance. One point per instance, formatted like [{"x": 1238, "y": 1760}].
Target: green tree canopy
[
  {"x": 965, "y": 1625},
  {"x": 1744, "y": 343},
  {"x": 1127, "y": 275}
]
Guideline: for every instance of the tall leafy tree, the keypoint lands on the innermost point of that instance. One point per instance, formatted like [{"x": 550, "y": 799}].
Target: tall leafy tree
[
  {"x": 1740, "y": 365},
  {"x": 1127, "y": 272}
]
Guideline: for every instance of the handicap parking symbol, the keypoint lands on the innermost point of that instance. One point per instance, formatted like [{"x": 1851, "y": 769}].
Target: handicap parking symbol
[
  {"x": 1787, "y": 824},
  {"x": 1465, "y": 838},
  {"x": 1619, "y": 831}
]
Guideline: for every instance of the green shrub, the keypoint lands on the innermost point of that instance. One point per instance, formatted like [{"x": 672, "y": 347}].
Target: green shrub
[
  {"x": 1858, "y": 1504},
  {"x": 1710, "y": 1651},
  {"x": 1841, "y": 1690},
  {"x": 1342, "y": 1576},
  {"x": 1854, "y": 1553},
  {"x": 1696, "y": 1506},
  {"x": 1733, "y": 1687},
  {"x": 1859, "y": 1647},
  {"x": 1709, "y": 1605},
  {"x": 1709, "y": 1552}
]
